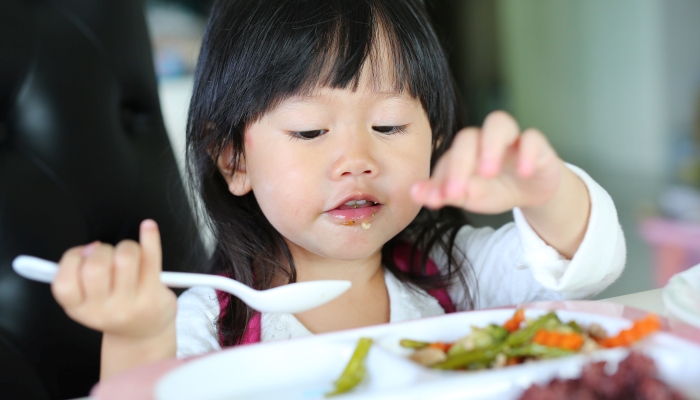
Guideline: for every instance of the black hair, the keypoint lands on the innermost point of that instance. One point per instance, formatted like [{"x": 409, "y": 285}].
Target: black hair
[{"x": 257, "y": 53}]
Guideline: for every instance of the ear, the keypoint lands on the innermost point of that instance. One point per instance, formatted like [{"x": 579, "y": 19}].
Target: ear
[{"x": 236, "y": 176}]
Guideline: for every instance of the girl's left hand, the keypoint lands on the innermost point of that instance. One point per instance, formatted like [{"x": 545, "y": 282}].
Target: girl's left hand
[{"x": 493, "y": 169}]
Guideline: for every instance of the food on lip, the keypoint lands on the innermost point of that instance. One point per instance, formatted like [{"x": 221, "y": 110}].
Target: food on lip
[
  {"x": 635, "y": 378},
  {"x": 518, "y": 341},
  {"x": 354, "y": 371},
  {"x": 356, "y": 211}
]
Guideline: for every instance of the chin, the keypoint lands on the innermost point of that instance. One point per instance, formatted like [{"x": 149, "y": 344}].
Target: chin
[{"x": 351, "y": 250}]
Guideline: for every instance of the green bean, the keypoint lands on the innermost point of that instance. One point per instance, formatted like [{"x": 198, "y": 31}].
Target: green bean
[
  {"x": 354, "y": 371},
  {"x": 573, "y": 325},
  {"x": 521, "y": 336},
  {"x": 413, "y": 344},
  {"x": 537, "y": 350},
  {"x": 478, "y": 356}
]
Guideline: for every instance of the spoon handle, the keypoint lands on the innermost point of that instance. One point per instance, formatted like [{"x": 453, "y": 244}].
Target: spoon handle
[
  {"x": 40, "y": 270},
  {"x": 35, "y": 268},
  {"x": 188, "y": 279}
]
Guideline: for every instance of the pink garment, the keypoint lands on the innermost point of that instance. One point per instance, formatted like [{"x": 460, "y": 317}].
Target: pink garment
[
  {"x": 402, "y": 256},
  {"x": 254, "y": 328}
]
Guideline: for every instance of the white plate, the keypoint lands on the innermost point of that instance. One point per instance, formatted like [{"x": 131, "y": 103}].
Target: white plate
[{"x": 306, "y": 368}]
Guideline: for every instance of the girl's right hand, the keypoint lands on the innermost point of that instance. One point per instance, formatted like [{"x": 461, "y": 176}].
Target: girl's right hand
[{"x": 117, "y": 290}]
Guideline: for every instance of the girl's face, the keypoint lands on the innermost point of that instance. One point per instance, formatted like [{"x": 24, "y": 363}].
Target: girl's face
[{"x": 325, "y": 167}]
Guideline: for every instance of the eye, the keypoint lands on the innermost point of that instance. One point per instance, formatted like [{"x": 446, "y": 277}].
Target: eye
[
  {"x": 389, "y": 130},
  {"x": 307, "y": 135}
]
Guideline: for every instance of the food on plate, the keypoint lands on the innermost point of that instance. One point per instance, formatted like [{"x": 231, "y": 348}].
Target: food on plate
[
  {"x": 518, "y": 340},
  {"x": 354, "y": 371},
  {"x": 635, "y": 378}
]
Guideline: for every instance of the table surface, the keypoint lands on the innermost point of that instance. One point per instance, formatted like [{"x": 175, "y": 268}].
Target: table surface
[{"x": 649, "y": 300}]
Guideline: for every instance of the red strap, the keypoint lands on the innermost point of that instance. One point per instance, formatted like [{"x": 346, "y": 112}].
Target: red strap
[
  {"x": 402, "y": 257},
  {"x": 252, "y": 332}
]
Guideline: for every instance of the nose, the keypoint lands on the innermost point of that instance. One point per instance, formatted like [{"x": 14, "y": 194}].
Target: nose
[{"x": 355, "y": 158}]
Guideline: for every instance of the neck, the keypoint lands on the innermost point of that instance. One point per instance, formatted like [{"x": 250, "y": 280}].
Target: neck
[
  {"x": 312, "y": 267},
  {"x": 366, "y": 303}
]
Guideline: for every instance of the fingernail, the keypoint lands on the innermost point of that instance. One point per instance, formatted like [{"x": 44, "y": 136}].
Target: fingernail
[
  {"x": 414, "y": 190},
  {"x": 487, "y": 167},
  {"x": 434, "y": 196},
  {"x": 87, "y": 250},
  {"x": 148, "y": 224},
  {"x": 454, "y": 189},
  {"x": 525, "y": 169}
]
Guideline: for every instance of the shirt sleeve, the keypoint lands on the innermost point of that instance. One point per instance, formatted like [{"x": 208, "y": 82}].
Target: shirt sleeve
[
  {"x": 195, "y": 324},
  {"x": 514, "y": 265}
]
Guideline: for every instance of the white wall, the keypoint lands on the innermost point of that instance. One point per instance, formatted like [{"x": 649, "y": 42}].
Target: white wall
[{"x": 610, "y": 82}]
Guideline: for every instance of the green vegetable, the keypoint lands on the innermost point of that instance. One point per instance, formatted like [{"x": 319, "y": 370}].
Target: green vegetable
[
  {"x": 523, "y": 335},
  {"x": 575, "y": 327},
  {"x": 488, "y": 336},
  {"x": 413, "y": 344},
  {"x": 471, "y": 359},
  {"x": 354, "y": 371},
  {"x": 537, "y": 350},
  {"x": 479, "y": 338}
]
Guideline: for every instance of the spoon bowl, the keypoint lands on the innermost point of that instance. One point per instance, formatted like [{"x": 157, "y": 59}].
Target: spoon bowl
[{"x": 291, "y": 298}]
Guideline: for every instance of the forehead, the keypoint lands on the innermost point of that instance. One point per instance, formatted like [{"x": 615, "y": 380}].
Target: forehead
[{"x": 376, "y": 82}]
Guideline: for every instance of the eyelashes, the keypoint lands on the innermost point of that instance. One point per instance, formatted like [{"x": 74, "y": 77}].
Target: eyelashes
[
  {"x": 390, "y": 130},
  {"x": 308, "y": 135},
  {"x": 384, "y": 130}
]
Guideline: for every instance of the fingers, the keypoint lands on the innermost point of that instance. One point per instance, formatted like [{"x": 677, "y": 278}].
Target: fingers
[
  {"x": 127, "y": 258},
  {"x": 532, "y": 150},
  {"x": 460, "y": 166},
  {"x": 151, "y": 256},
  {"x": 66, "y": 287},
  {"x": 96, "y": 272},
  {"x": 483, "y": 165},
  {"x": 500, "y": 131}
]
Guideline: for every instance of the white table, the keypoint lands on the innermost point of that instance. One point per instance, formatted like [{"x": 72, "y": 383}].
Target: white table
[{"x": 649, "y": 300}]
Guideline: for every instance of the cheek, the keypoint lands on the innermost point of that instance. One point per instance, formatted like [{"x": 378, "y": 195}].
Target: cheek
[{"x": 281, "y": 185}]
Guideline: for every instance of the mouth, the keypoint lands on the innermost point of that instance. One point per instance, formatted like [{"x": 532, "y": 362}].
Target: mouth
[{"x": 356, "y": 210}]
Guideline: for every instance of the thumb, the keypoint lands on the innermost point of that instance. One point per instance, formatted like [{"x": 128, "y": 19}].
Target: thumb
[{"x": 151, "y": 254}]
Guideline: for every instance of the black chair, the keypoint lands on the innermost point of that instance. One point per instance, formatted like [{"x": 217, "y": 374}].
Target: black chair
[{"x": 84, "y": 156}]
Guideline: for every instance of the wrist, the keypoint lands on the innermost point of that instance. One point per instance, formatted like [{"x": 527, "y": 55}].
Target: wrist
[
  {"x": 121, "y": 353},
  {"x": 561, "y": 221}
]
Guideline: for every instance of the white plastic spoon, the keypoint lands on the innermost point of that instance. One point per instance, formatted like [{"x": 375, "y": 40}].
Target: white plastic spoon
[{"x": 291, "y": 298}]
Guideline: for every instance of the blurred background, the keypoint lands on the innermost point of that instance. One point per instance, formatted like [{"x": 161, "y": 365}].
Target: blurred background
[{"x": 615, "y": 86}]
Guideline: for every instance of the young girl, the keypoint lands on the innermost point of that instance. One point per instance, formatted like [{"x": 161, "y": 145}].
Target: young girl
[{"x": 323, "y": 140}]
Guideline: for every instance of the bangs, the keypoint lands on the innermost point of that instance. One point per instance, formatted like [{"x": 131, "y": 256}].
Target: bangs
[
  {"x": 351, "y": 45},
  {"x": 257, "y": 54}
]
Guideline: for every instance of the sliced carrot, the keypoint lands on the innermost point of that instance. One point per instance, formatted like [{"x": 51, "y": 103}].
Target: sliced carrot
[
  {"x": 540, "y": 336},
  {"x": 571, "y": 342},
  {"x": 566, "y": 341},
  {"x": 639, "y": 330},
  {"x": 513, "y": 324},
  {"x": 440, "y": 345}
]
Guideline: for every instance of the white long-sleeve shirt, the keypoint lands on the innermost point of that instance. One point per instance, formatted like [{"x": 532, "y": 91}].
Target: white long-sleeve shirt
[{"x": 510, "y": 265}]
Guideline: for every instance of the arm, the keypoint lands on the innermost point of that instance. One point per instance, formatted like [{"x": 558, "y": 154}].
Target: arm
[
  {"x": 513, "y": 265},
  {"x": 118, "y": 291}
]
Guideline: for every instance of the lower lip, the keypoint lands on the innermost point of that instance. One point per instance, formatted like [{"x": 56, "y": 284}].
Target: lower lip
[{"x": 354, "y": 214}]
